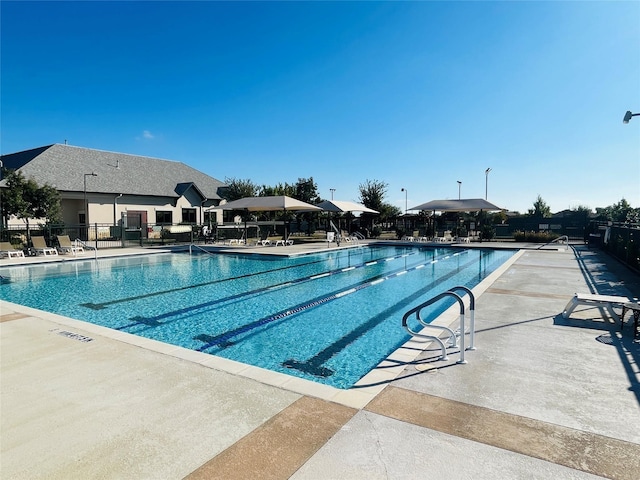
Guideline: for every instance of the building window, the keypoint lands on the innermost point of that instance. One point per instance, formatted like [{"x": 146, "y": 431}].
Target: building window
[
  {"x": 189, "y": 215},
  {"x": 164, "y": 218}
]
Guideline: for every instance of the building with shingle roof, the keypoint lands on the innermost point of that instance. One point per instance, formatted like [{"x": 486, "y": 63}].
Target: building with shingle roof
[{"x": 105, "y": 187}]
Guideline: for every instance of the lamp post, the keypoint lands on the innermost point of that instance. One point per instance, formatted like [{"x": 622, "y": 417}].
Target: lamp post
[
  {"x": 459, "y": 187},
  {"x": 486, "y": 183},
  {"x": 404, "y": 220},
  {"x": 628, "y": 115},
  {"x": 332, "y": 190},
  {"x": 86, "y": 206}
]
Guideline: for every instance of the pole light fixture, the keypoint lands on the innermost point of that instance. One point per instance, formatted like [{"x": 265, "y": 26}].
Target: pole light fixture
[
  {"x": 459, "y": 188},
  {"x": 332, "y": 190},
  {"x": 486, "y": 183},
  {"x": 628, "y": 115},
  {"x": 405, "y": 199}
]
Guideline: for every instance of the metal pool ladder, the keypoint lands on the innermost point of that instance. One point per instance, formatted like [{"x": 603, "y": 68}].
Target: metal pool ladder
[{"x": 452, "y": 335}]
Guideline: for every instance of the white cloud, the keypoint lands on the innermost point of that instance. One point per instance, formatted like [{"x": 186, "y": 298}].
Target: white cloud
[{"x": 146, "y": 135}]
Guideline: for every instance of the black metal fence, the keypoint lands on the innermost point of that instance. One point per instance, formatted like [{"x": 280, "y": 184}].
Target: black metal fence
[
  {"x": 103, "y": 236},
  {"x": 623, "y": 242}
]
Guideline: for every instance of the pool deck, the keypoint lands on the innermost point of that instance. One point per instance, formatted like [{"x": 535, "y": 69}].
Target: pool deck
[{"x": 541, "y": 397}]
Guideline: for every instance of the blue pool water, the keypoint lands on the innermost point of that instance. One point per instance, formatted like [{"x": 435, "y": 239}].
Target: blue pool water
[{"x": 329, "y": 317}]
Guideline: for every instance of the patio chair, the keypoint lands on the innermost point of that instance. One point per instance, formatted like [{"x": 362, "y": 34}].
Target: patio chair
[
  {"x": 7, "y": 250},
  {"x": 602, "y": 301},
  {"x": 264, "y": 239},
  {"x": 284, "y": 241},
  {"x": 41, "y": 247},
  {"x": 235, "y": 241},
  {"x": 445, "y": 238},
  {"x": 66, "y": 246}
]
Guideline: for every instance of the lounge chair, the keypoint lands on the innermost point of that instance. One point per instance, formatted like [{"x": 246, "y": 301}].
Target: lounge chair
[
  {"x": 7, "y": 250},
  {"x": 41, "y": 247},
  {"x": 445, "y": 238},
  {"x": 284, "y": 242},
  {"x": 67, "y": 247},
  {"x": 236, "y": 241},
  {"x": 264, "y": 240},
  {"x": 603, "y": 301}
]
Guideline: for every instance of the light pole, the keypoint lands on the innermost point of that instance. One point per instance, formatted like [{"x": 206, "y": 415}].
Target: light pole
[
  {"x": 404, "y": 219},
  {"x": 486, "y": 183},
  {"x": 459, "y": 187},
  {"x": 86, "y": 206},
  {"x": 628, "y": 115},
  {"x": 332, "y": 190}
]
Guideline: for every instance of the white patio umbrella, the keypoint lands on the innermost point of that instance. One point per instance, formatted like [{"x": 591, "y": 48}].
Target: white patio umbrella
[
  {"x": 468, "y": 205},
  {"x": 343, "y": 206},
  {"x": 268, "y": 204}
]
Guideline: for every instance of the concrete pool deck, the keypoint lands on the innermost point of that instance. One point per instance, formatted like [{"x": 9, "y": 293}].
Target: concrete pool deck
[{"x": 541, "y": 397}]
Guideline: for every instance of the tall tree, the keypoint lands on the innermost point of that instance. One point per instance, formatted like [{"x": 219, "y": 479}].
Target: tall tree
[
  {"x": 540, "y": 209},
  {"x": 25, "y": 199},
  {"x": 372, "y": 194},
  {"x": 307, "y": 191},
  {"x": 238, "y": 188}
]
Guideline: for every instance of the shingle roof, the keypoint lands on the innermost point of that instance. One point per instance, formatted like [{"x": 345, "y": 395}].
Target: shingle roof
[{"x": 63, "y": 167}]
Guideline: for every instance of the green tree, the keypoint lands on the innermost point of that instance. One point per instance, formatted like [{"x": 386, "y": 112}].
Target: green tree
[
  {"x": 540, "y": 209},
  {"x": 307, "y": 191},
  {"x": 372, "y": 194},
  {"x": 619, "y": 212},
  {"x": 238, "y": 188},
  {"x": 25, "y": 200},
  {"x": 388, "y": 211}
]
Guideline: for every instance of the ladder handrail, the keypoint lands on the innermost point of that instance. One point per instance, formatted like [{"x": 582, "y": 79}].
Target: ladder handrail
[
  {"x": 199, "y": 248},
  {"x": 86, "y": 245},
  {"x": 563, "y": 237},
  {"x": 472, "y": 312},
  {"x": 432, "y": 300},
  {"x": 449, "y": 293}
]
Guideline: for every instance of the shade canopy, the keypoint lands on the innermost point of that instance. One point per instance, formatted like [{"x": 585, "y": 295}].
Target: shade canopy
[
  {"x": 467, "y": 205},
  {"x": 267, "y": 204},
  {"x": 342, "y": 206}
]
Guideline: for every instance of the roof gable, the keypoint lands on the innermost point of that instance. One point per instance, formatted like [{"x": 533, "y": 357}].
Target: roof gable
[{"x": 65, "y": 167}]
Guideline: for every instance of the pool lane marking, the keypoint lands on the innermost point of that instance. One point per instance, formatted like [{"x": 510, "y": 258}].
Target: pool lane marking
[
  {"x": 154, "y": 321},
  {"x": 103, "y": 305},
  {"x": 315, "y": 365},
  {"x": 223, "y": 339}
]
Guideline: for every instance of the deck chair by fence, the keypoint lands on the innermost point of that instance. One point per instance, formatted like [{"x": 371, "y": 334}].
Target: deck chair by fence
[
  {"x": 41, "y": 247},
  {"x": 603, "y": 301},
  {"x": 66, "y": 246},
  {"x": 284, "y": 242},
  {"x": 235, "y": 241},
  {"x": 7, "y": 250},
  {"x": 264, "y": 239}
]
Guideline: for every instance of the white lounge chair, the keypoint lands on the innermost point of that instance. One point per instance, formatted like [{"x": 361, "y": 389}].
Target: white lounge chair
[
  {"x": 7, "y": 250},
  {"x": 264, "y": 240},
  {"x": 603, "y": 301},
  {"x": 66, "y": 246},
  {"x": 41, "y": 247},
  {"x": 284, "y": 242}
]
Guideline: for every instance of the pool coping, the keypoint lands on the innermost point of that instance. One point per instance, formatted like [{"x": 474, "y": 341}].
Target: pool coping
[{"x": 358, "y": 396}]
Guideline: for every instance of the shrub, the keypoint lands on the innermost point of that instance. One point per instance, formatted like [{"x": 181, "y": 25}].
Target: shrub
[{"x": 534, "y": 237}]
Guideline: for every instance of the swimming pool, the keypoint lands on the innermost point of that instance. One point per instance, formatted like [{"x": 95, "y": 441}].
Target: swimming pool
[{"x": 328, "y": 317}]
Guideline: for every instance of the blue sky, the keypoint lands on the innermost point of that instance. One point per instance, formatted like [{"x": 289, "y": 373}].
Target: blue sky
[{"x": 419, "y": 95}]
